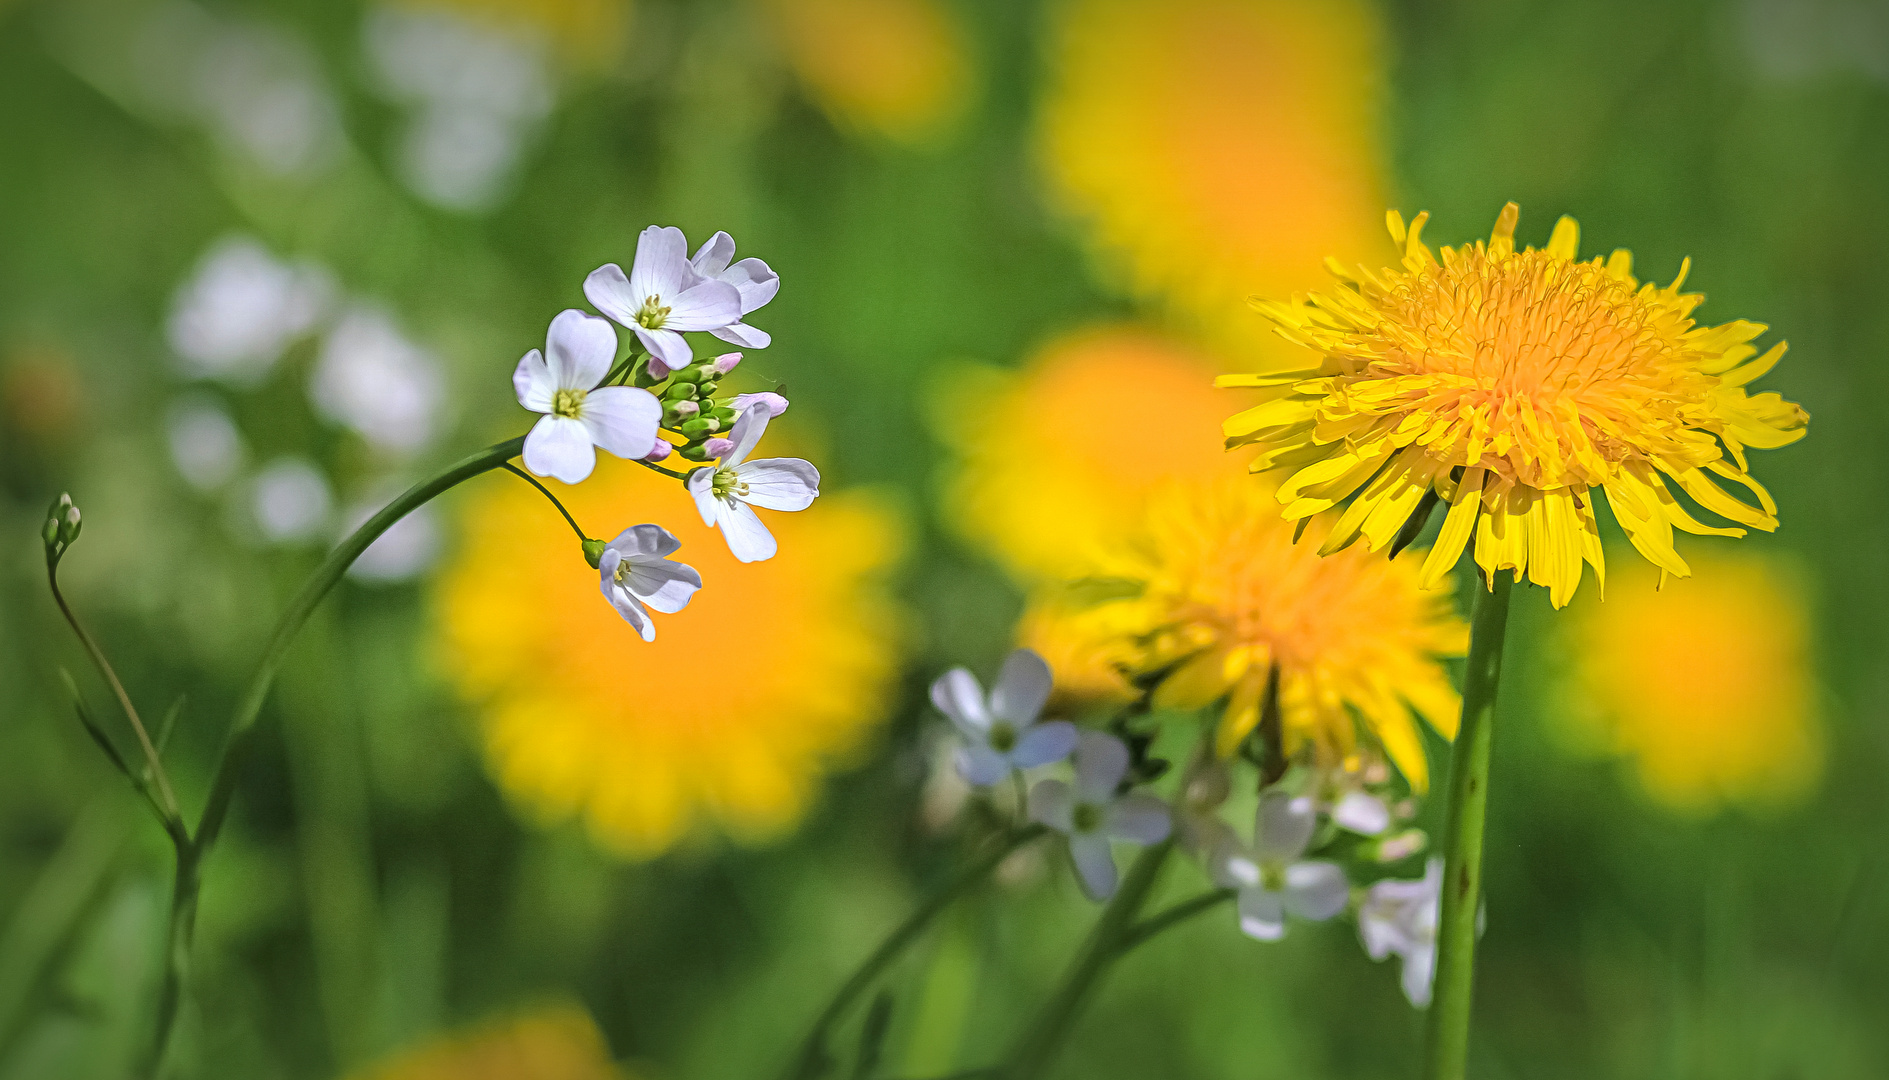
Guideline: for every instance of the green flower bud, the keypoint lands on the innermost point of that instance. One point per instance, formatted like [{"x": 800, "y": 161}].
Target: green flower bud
[
  {"x": 680, "y": 391},
  {"x": 593, "y": 552},
  {"x": 50, "y": 533},
  {"x": 69, "y": 528},
  {"x": 708, "y": 387},
  {"x": 723, "y": 414},
  {"x": 675, "y": 412},
  {"x": 690, "y": 374},
  {"x": 694, "y": 453},
  {"x": 700, "y": 426}
]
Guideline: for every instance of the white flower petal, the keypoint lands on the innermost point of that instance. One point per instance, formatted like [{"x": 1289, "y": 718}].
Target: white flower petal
[
  {"x": 747, "y": 538},
  {"x": 754, "y": 280},
  {"x": 668, "y": 350},
  {"x": 957, "y": 695},
  {"x": 701, "y": 485},
  {"x": 1053, "y": 803},
  {"x": 650, "y": 541},
  {"x": 1419, "y": 975},
  {"x": 1316, "y": 890},
  {"x": 1262, "y": 914},
  {"x": 704, "y": 306},
  {"x": 1362, "y": 813},
  {"x": 740, "y": 333},
  {"x": 1143, "y": 819},
  {"x": 579, "y": 349},
  {"x": 560, "y": 447},
  {"x": 622, "y": 419},
  {"x": 981, "y": 766},
  {"x": 1044, "y": 743},
  {"x": 663, "y": 584},
  {"x": 626, "y": 604},
  {"x": 661, "y": 266},
  {"x": 1101, "y": 762},
  {"x": 1095, "y": 865},
  {"x": 1022, "y": 688},
  {"x": 532, "y": 382},
  {"x": 748, "y": 429},
  {"x": 609, "y": 292},
  {"x": 779, "y": 483},
  {"x": 714, "y": 255},
  {"x": 1284, "y": 826},
  {"x": 1230, "y": 865}
]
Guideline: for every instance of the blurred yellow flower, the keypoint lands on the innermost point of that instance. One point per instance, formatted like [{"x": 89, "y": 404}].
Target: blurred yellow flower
[
  {"x": 899, "y": 68},
  {"x": 1059, "y": 459},
  {"x": 1211, "y": 580},
  {"x": 1515, "y": 385},
  {"x": 1218, "y": 147},
  {"x": 1704, "y": 684},
  {"x": 556, "y": 1043},
  {"x": 774, "y": 672},
  {"x": 588, "y": 33}
]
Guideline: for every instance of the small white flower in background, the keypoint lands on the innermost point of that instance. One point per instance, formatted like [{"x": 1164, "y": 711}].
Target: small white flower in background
[
  {"x": 1343, "y": 795},
  {"x": 638, "y": 576},
  {"x": 1091, "y": 812},
  {"x": 374, "y": 379},
  {"x": 662, "y": 297},
  {"x": 727, "y": 494},
  {"x": 1399, "y": 916},
  {"x": 1273, "y": 881},
  {"x": 241, "y": 308},
  {"x": 292, "y": 501},
  {"x": 205, "y": 445},
  {"x": 579, "y": 415},
  {"x": 1003, "y": 733},
  {"x": 752, "y": 278}
]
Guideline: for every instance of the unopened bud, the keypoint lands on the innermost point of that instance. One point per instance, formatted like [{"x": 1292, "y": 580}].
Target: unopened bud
[
  {"x": 661, "y": 450},
  {"x": 718, "y": 447},
  {"x": 725, "y": 363},
  {"x": 50, "y": 533},
  {"x": 680, "y": 391},
  {"x": 707, "y": 388},
  {"x": 692, "y": 374},
  {"x": 1402, "y": 846},
  {"x": 694, "y": 453},
  {"x": 700, "y": 426},
  {"x": 593, "y": 552},
  {"x": 678, "y": 411}
]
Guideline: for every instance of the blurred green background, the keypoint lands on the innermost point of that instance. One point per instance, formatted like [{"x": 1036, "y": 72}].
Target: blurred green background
[{"x": 440, "y": 194}]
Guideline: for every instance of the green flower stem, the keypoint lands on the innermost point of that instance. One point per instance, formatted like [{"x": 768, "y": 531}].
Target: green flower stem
[
  {"x": 1044, "y": 1038},
  {"x": 1172, "y": 917},
  {"x": 1447, "y": 1053},
  {"x": 546, "y": 492},
  {"x": 188, "y": 882},
  {"x": 811, "y": 1059}
]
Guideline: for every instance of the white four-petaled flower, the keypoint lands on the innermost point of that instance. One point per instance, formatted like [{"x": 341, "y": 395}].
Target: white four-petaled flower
[
  {"x": 579, "y": 415},
  {"x": 663, "y": 296},
  {"x": 638, "y": 576},
  {"x": 1002, "y": 733},
  {"x": 727, "y": 493},
  {"x": 1399, "y": 916},
  {"x": 1092, "y": 812},
  {"x": 1273, "y": 881},
  {"x": 752, "y": 278}
]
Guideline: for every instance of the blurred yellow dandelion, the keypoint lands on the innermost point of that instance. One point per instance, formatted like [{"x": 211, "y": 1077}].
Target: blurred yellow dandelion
[
  {"x": 1218, "y": 147},
  {"x": 1706, "y": 686},
  {"x": 775, "y": 672},
  {"x": 1211, "y": 580},
  {"x": 1058, "y": 460},
  {"x": 556, "y": 1043},
  {"x": 899, "y": 68},
  {"x": 1515, "y": 384}
]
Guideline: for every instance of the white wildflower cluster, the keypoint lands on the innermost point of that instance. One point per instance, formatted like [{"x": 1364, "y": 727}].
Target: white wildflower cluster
[{"x": 1313, "y": 829}]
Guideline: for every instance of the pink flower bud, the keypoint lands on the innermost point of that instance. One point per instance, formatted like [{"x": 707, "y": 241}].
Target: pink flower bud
[
  {"x": 718, "y": 447},
  {"x": 661, "y": 450},
  {"x": 726, "y": 362}
]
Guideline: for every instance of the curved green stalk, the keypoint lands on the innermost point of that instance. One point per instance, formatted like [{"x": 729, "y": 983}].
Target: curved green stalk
[{"x": 1447, "y": 1053}]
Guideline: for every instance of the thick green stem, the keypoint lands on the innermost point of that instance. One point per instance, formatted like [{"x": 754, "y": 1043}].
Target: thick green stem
[
  {"x": 1447, "y": 1054},
  {"x": 191, "y": 853},
  {"x": 1044, "y": 1038},
  {"x": 811, "y": 1059}
]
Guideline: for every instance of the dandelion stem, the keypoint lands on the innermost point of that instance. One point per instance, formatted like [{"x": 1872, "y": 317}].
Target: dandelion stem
[
  {"x": 533, "y": 481},
  {"x": 1447, "y": 1054},
  {"x": 1043, "y": 1039},
  {"x": 187, "y": 884},
  {"x": 811, "y": 1059}
]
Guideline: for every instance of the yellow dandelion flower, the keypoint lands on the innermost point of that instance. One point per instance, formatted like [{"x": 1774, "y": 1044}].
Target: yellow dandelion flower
[
  {"x": 775, "y": 671},
  {"x": 899, "y": 68},
  {"x": 1212, "y": 580},
  {"x": 556, "y": 1043},
  {"x": 1217, "y": 147},
  {"x": 1048, "y": 477},
  {"x": 1514, "y": 385},
  {"x": 1707, "y": 689}
]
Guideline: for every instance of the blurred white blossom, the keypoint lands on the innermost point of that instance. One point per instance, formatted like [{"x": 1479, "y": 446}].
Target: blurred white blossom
[
  {"x": 204, "y": 442},
  {"x": 374, "y": 379},
  {"x": 242, "y": 307},
  {"x": 292, "y": 501}
]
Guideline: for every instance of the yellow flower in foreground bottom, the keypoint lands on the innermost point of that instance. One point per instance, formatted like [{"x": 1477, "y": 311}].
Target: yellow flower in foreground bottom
[
  {"x": 1213, "y": 575},
  {"x": 897, "y": 67},
  {"x": 1705, "y": 685},
  {"x": 1058, "y": 460},
  {"x": 1515, "y": 384},
  {"x": 775, "y": 670},
  {"x": 559, "y": 1043}
]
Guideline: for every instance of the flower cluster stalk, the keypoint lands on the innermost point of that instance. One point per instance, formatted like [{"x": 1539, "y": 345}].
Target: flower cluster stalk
[{"x": 1447, "y": 1053}]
